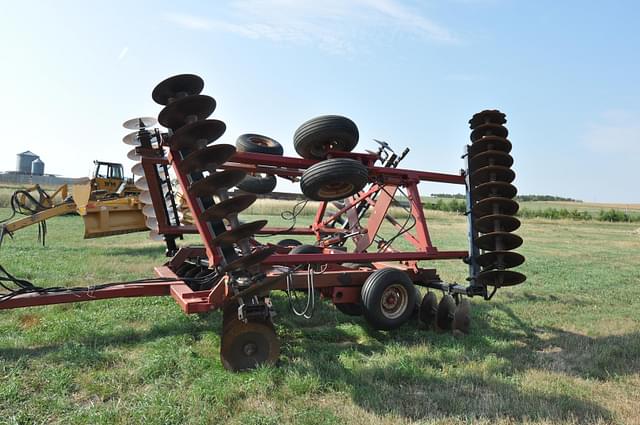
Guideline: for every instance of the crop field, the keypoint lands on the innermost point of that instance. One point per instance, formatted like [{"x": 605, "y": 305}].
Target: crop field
[{"x": 564, "y": 347}]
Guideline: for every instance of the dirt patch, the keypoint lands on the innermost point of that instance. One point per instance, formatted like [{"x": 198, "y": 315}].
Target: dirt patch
[{"x": 28, "y": 321}]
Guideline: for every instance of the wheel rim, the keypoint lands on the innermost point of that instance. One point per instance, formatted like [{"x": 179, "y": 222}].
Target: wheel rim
[
  {"x": 336, "y": 190},
  {"x": 394, "y": 301}
]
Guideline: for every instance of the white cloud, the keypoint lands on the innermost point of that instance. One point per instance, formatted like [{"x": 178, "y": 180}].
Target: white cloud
[
  {"x": 331, "y": 23},
  {"x": 123, "y": 53},
  {"x": 617, "y": 133}
]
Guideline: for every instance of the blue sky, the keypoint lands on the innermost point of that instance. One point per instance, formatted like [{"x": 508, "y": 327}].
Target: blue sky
[{"x": 567, "y": 74}]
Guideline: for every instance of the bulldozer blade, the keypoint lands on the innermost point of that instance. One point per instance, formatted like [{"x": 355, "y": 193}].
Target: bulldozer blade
[{"x": 113, "y": 217}]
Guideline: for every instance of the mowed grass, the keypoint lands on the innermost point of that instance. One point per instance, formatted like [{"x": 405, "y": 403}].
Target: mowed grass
[{"x": 562, "y": 348}]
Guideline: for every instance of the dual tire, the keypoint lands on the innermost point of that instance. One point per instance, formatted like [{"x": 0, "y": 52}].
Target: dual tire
[{"x": 256, "y": 143}]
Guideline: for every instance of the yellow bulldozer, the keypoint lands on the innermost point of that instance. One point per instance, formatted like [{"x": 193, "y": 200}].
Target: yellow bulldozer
[{"x": 107, "y": 202}]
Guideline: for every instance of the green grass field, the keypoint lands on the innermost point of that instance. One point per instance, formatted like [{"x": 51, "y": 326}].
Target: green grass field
[{"x": 562, "y": 348}]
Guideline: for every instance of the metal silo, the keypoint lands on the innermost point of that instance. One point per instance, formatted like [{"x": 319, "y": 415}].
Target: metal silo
[
  {"x": 37, "y": 167},
  {"x": 24, "y": 160}
]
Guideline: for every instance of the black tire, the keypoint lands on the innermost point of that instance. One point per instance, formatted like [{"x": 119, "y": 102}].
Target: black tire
[
  {"x": 332, "y": 179},
  {"x": 259, "y": 185},
  {"x": 257, "y": 143},
  {"x": 289, "y": 242},
  {"x": 314, "y": 138},
  {"x": 306, "y": 249},
  {"x": 388, "y": 299}
]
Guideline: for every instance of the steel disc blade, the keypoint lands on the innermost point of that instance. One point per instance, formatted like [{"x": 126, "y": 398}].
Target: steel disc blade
[
  {"x": 487, "y": 116},
  {"x": 197, "y": 135},
  {"x": 248, "y": 345},
  {"x": 155, "y": 236},
  {"x": 446, "y": 310},
  {"x": 145, "y": 197},
  {"x": 498, "y": 241},
  {"x": 137, "y": 169},
  {"x": 500, "y": 278},
  {"x": 429, "y": 309},
  {"x": 484, "y": 130},
  {"x": 490, "y": 143},
  {"x": 177, "y": 86},
  {"x": 243, "y": 231},
  {"x": 139, "y": 123},
  {"x": 149, "y": 211},
  {"x": 227, "y": 207},
  {"x": 207, "y": 159},
  {"x": 499, "y": 260},
  {"x": 491, "y": 206},
  {"x": 133, "y": 155},
  {"x": 141, "y": 183},
  {"x": 492, "y": 189},
  {"x": 131, "y": 139},
  {"x": 185, "y": 110},
  {"x": 213, "y": 183},
  {"x": 496, "y": 223},
  {"x": 462, "y": 317},
  {"x": 492, "y": 173},
  {"x": 151, "y": 223},
  {"x": 492, "y": 157},
  {"x": 252, "y": 259}
]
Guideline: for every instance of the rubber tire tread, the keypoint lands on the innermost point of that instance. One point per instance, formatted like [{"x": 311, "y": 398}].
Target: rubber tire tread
[
  {"x": 244, "y": 144},
  {"x": 330, "y": 170},
  {"x": 314, "y": 130},
  {"x": 372, "y": 291},
  {"x": 258, "y": 184}
]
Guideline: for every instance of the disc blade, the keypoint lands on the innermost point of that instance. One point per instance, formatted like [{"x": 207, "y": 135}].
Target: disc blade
[
  {"x": 209, "y": 159},
  {"x": 149, "y": 211},
  {"x": 498, "y": 241},
  {"x": 155, "y": 236},
  {"x": 499, "y": 260},
  {"x": 145, "y": 197},
  {"x": 490, "y": 143},
  {"x": 177, "y": 86},
  {"x": 133, "y": 155},
  {"x": 446, "y": 310},
  {"x": 139, "y": 123},
  {"x": 248, "y": 345},
  {"x": 500, "y": 278},
  {"x": 429, "y": 309},
  {"x": 249, "y": 260},
  {"x": 243, "y": 231},
  {"x": 484, "y": 130},
  {"x": 186, "y": 109},
  {"x": 141, "y": 183},
  {"x": 495, "y": 205},
  {"x": 462, "y": 317},
  {"x": 492, "y": 173},
  {"x": 131, "y": 139},
  {"x": 213, "y": 183},
  {"x": 496, "y": 223},
  {"x": 137, "y": 169},
  {"x": 227, "y": 207},
  {"x": 151, "y": 223},
  {"x": 488, "y": 116},
  {"x": 491, "y": 157},
  {"x": 197, "y": 135},
  {"x": 491, "y": 189}
]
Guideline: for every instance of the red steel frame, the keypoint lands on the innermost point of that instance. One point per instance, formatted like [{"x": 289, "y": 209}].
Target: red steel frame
[{"x": 342, "y": 285}]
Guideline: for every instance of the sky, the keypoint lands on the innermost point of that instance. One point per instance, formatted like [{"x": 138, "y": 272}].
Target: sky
[{"x": 567, "y": 74}]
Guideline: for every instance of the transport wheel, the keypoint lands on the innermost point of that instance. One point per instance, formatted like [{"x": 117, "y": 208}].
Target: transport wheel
[
  {"x": 333, "y": 179},
  {"x": 446, "y": 310},
  {"x": 462, "y": 317},
  {"x": 258, "y": 184},
  {"x": 289, "y": 242},
  {"x": 316, "y": 137},
  {"x": 306, "y": 249},
  {"x": 388, "y": 299},
  {"x": 429, "y": 309},
  {"x": 246, "y": 346},
  {"x": 257, "y": 143}
]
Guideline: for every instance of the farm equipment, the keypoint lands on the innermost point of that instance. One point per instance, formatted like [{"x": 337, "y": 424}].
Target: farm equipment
[
  {"x": 108, "y": 204},
  {"x": 352, "y": 262}
]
